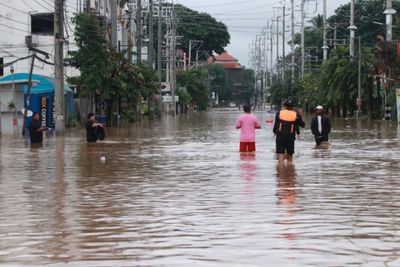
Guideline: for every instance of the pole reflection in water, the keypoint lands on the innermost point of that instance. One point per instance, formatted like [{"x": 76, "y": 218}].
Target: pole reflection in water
[{"x": 176, "y": 193}]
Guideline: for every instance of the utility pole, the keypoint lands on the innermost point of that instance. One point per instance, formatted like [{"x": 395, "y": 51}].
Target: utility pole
[
  {"x": 150, "y": 59},
  {"x": 352, "y": 29},
  {"x": 283, "y": 40},
  {"x": 114, "y": 25},
  {"x": 271, "y": 40},
  {"x": 325, "y": 46},
  {"x": 173, "y": 60},
  {"x": 389, "y": 12},
  {"x": 292, "y": 41},
  {"x": 159, "y": 41},
  {"x": 190, "y": 55},
  {"x": 335, "y": 36},
  {"x": 59, "y": 65},
  {"x": 277, "y": 42},
  {"x": 28, "y": 95},
  {"x": 302, "y": 37},
  {"x": 139, "y": 31},
  {"x": 359, "y": 101},
  {"x": 151, "y": 35},
  {"x": 130, "y": 33}
]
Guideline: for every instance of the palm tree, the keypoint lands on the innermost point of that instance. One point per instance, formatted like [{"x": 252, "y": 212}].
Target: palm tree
[{"x": 317, "y": 22}]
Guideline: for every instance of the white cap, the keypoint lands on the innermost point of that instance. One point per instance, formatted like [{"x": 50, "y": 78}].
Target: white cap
[{"x": 319, "y": 107}]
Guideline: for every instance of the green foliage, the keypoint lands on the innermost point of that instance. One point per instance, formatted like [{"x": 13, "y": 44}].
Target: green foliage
[
  {"x": 334, "y": 82},
  {"x": 219, "y": 82},
  {"x": 184, "y": 97},
  {"x": 103, "y": 71},
  {"x": 194, "y": 25},
  {"x": 335, "y": 85},
  {"x": 248, "y": 84},
  {"x": 367, "y": 14},
  {"x": 194, "y": 82},
  {"x": 91, "y": 58}
]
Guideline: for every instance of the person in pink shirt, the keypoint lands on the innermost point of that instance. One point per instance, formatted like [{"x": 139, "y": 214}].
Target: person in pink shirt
[{"x": 247, "y": 123}]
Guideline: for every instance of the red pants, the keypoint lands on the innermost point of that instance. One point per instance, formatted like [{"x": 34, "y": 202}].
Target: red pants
[{"x": 247, "y": 146}]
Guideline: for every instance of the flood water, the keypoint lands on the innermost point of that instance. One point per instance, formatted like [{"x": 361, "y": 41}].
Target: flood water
[{"x": 177, "y": 193}]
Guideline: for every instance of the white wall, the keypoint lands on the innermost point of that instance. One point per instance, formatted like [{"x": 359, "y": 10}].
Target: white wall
[{"x": 15, "y": 24}]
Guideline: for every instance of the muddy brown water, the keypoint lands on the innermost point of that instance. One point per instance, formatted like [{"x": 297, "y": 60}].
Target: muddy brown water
[{"x": 177, "y": 193}]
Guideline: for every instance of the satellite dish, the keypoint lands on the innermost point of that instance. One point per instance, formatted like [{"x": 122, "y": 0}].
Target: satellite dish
[{"x": 28, "y": 114}]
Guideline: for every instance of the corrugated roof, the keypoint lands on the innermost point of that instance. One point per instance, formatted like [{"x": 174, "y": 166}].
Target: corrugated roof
[{"x": 43, "y": 83}]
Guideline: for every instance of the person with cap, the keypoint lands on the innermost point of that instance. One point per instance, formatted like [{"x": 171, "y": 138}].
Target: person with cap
[
  {"x": 287, "y": 124},
  {"x": 320, "y": 126}
]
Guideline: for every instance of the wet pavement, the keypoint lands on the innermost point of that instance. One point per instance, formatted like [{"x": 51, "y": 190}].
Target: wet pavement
[{"x": 177, "y": 193}]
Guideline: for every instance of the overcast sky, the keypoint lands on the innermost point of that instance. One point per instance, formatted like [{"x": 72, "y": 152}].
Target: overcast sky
[{"x": 245, "y": 18}]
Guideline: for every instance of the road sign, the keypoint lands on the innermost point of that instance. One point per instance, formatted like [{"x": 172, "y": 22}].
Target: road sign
[
  {"x": 165, "y": 87},
  {"x": 168, "y": 98}
]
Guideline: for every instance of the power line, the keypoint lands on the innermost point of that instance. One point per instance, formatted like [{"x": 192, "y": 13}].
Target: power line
[{"x": 228, "y": 4}]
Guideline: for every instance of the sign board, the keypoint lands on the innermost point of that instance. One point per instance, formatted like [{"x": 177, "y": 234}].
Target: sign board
[
  {"x": 47, "y": 111},
  {"x": 398, "y": 104},
  {"x": 168, "y": 98},
  {"x": 165, "y": 87}
]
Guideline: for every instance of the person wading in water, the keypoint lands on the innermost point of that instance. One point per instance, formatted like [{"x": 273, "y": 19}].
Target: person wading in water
[{"x": 287, "y": 125}]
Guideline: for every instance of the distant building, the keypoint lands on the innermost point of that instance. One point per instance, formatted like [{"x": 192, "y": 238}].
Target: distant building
[{"x": 234, "y": 71}]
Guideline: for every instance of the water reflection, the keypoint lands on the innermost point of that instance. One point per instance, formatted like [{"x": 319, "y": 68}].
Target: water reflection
[
  {"x": 286, "y": 187},
  {"x": 177, "y": 193}
]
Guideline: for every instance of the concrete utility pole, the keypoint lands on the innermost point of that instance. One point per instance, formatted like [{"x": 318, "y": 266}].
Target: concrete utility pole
[
  {"x": 59, "y": 65},
  {"x": 325, "y": 46},
  {"x": 139, "y": 31},
  {"x": 150, "y": 102},
  {"x": 130, "y": 33},
  {"x": 335, "y": 36},
  {"x": 151, "y": 34},
  {"x": 277, "y": 42},
  {"x": 271, "y": 43},
  {"x": 114, "y": 25},
  {"x": 352, "y": 29},
  {"x": 28, "y": 95},
  {"x": 389, "y": 12},
  {"x": 173, "y": 60},
  {"x": 292, "y": 64},
  {"x": 190, "y": 55},
  {"x": 159, "y": 41},
  {"x": 283, "y": 40},
  {"x": 359, "y": 102},
  {"x": 302, "y": 37}
]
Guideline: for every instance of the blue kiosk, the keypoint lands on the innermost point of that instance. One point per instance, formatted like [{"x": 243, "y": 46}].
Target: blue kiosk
[{"x": 41, "y": 96}]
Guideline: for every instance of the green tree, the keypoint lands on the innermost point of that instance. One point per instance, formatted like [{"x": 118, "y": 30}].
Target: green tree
[
  {"x": 91, "y": 57},
  {"x": 248, "y": 85},
  {"x": 194, "y": 82},
  {"x": 103, "y": 71},
  {"x": 219, "y": 82},
  {"x": 193, "y": 25}
]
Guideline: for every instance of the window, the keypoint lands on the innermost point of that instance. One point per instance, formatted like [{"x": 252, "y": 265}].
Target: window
[{"x": 42, "y": 23}]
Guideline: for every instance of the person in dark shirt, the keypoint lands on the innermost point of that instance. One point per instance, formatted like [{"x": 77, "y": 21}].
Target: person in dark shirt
[
  {"x": 287, "y": 125},
  {"x": 35, "y": 129},
  {"x": 91, "y": 128},
  {"x": 320, "y": 126}
]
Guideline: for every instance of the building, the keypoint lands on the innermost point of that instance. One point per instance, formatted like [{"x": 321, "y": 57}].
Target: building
[
  {"x": 234, "y": 71},
  {"x": 27, "y": 26}
]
